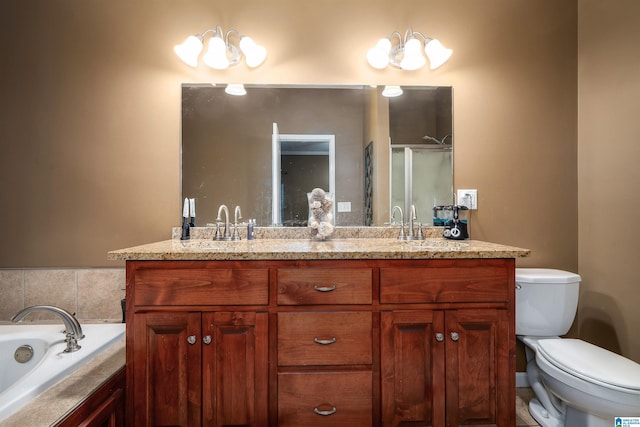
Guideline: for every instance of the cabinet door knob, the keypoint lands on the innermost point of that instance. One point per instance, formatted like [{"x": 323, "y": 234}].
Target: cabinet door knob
[
  {"x": 206, "y": 339},
  {"x": 324, "y": 342},
  {"x": 439, "y": 337},
  {"x": 325, "y": 413},
  {"x": 455, "y": 336},
  {"x": 324, "y": 288},
  {"x": 191, "y": 339}
]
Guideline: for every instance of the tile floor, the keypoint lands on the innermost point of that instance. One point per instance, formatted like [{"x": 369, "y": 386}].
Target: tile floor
[{"x": 523, "y": 418}]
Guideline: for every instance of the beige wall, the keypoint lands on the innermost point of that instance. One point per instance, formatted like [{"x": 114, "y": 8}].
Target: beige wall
[
  {"x": 608, "y": 173},
  {"x": 90, "y": 121},
  {"x": 91, "y": 111}
]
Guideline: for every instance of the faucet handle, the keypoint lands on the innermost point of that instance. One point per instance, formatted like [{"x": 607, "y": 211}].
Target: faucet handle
[{"x": 236, "y": 235}]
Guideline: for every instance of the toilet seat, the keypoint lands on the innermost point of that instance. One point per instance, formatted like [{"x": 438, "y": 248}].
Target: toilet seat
[{"x": 591, "y": 363}]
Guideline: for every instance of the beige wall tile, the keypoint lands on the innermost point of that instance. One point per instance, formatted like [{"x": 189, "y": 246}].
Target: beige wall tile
[
  {"x": 11, "y": 293},
  {"x": 50, "y": 287},
  {"x": 99, "y": 293}
]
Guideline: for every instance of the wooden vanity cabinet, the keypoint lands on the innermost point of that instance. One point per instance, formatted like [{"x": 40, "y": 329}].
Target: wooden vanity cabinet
[
  {"x": 448, "y": 360},
  {"x": 321, "y": 343},
  {"x": 196, "y": 355},
  {"x": 325, "y": 346}
]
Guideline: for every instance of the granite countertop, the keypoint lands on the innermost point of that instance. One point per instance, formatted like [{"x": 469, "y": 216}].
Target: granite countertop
[
  {"x": 349, "y": 244},
  {"x": 62, "y": 398}
]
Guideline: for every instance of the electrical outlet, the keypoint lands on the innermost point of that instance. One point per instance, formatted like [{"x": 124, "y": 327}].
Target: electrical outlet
[
  {"x": 344, "y": 206},
  {"x": 468, "y": 198}
]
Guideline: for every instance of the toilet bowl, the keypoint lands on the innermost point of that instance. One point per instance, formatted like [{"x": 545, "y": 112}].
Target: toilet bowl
[{"x": 577, "y": 384}]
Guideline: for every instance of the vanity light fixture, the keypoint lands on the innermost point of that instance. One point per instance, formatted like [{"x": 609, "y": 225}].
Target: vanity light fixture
[
  {"x": 236, "y": 89},
  {"x": 221, "y": 53},
  {"x": 392, "y": 91},
  {"x": 406, "y": 53}
]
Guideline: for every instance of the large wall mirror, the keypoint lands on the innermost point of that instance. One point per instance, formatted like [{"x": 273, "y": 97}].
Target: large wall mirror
[{"x": 386, "y": 151}]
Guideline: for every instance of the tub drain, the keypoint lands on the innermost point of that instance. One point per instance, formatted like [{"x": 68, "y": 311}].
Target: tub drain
[{"x": 23, "y": 354}]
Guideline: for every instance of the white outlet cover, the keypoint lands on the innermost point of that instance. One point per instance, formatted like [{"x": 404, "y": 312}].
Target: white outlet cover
[
  {"x": 468, "y": 198},
  {"x": 344, "y": 206}
]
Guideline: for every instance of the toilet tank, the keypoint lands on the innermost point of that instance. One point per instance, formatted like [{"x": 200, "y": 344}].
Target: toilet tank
[{"x": 546, "y": 301}]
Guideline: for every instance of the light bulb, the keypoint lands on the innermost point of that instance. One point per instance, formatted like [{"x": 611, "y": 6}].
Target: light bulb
[
  {"x": 189, "y": 50},
  {"x": 378, "y": 56},
  {"x": 216, "y": 56},
  {"x": 254, "y": 53},
  {"x": 437, "y": 53},
  {"x": 236, "y": 89},
  {"x": 413, "y": 58},
  {"x": 392, "y": 91}
]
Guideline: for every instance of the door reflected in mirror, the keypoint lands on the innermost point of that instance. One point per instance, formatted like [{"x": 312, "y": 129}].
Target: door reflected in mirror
[
  {"x": 300, "y": 163},
  {"x": 229, "y": 156}
]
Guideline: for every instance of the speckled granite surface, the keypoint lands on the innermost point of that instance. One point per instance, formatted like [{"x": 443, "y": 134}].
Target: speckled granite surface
[
  {"x": 54, "y": 403},
  {"x": 262, "y": 233},
  {"x": 347, "y": 243}
]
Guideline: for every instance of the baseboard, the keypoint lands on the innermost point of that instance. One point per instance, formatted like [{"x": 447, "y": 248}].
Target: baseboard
[{"x": 521, "y": 379}]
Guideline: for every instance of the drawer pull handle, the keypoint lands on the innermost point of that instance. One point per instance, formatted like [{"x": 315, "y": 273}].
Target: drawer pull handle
[
  {"x": 325, "y": 413},
  {"x": 439, "y": 337},
  {"x": 455, "y": 336},
  {"x": 324, "y": 288},
  {"x": 324, "y": 342},
  {"x": 191, "y": 339},
  {"x": 206, "y": 339}
]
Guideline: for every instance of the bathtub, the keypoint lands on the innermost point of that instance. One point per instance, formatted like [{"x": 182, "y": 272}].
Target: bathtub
[{"x": 21, "y": 382}]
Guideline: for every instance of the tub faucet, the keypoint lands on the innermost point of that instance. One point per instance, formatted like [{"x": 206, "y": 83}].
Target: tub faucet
[
  {"x": 227, "y": 232},
  {"x": 73, "y": 330}
]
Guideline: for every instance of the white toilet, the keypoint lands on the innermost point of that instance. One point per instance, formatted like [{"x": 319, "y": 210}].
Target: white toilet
[{"x": 576, "y": 383}]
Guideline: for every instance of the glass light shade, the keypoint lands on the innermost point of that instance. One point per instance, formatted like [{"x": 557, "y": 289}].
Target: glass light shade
[
  {"x": 236, "y": 89},
  {"x": 216, "y": 56},
  {"x": 378, "y": 56},
  {"x": 413, "y": 58},
  {"x": 254, "y": 54},
  {"x": 437, "y": 53},
  {"x": 392, "y": 91},
  {"x": 189, "y": 50}
]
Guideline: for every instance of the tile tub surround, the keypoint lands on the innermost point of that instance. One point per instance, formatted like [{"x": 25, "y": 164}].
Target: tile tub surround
[{"x": 93, "y": 294}]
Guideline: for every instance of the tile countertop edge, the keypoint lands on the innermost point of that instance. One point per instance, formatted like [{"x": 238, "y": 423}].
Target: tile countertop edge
[
  {"x": 307, "y": 249},
  {"x": 63, "y": 397}
]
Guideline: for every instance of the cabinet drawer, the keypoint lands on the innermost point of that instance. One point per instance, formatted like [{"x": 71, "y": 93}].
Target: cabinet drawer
[
  {"x": 222, "y": 286},
  {"x": 301, "y": 286},
  {"x": 444, "y": 284},
  {"x": 324, "y": 339},
  {"x": 345, "y": 399}
]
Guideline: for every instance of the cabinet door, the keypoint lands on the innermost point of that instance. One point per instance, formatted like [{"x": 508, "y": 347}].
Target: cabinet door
[
  {"x": 167, "y": 370},
  {"x": 235, "y": 369},
  {"x": 477, "y": 365},
  {"x": 412, "y": 367}
]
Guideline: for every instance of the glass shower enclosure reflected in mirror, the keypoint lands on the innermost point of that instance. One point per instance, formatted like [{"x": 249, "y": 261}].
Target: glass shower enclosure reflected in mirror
[{"x": 415, "y": 179}]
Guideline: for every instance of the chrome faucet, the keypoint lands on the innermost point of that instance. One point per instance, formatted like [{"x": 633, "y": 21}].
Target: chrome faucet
[
  {"x": 402, "y": 235},
  {"x": 413, "y": 234},
  {"x": 412, "y": 217},
  {"x": 227, "y": 232},
  {"x": 73, "y": 330},
  {"x": 237, "y": 214}
]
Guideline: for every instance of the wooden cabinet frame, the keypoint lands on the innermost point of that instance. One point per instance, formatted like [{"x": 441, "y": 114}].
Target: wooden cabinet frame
[{"x": 416, "y": 379}]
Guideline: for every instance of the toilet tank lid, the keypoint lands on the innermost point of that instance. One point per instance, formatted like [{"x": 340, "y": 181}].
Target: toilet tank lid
[
  {"x": 545, "y": 275},
  {"x": 591, "y": 363}
]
